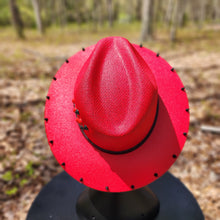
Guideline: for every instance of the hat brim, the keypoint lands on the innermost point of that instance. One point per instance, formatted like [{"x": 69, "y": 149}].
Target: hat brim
[{"x": 108, "y": 172}]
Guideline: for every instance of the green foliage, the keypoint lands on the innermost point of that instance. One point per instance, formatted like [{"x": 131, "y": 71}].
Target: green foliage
[
  {"x": 5, "y": 16},
  {"x": 185, "y": 20},
  {"x": 27, "y": 15},
  {"x": 12, "y": 191},
  {"x": 29, "y": 168},
  {"x": 23, "y": 182},
  {"x": 7, "y": 176},
  {"x": 25, "y": 9},
  {"x": 67, "y": 12}
]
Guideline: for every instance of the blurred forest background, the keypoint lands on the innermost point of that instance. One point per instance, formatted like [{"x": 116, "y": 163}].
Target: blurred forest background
[{"x": 37, "y": 36}]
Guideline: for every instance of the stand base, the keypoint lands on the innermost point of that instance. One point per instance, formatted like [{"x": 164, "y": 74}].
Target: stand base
[
  {"x": 58, "y": 199},
  {"x": 137, "y": 204}
]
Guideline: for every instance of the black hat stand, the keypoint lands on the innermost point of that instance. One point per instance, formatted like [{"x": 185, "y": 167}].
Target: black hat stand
[
  {"x": 134, "y": 205},
  {"x": 63, "y": 198}
]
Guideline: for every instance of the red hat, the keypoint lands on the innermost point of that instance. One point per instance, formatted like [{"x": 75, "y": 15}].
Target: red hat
[{"x": 116, "y": 116}]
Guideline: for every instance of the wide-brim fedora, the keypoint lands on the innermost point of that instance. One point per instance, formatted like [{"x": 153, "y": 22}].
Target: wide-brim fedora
[{"x": 116, "y": 115}]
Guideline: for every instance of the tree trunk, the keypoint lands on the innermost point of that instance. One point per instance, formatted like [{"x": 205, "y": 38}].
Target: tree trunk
[
  {"x": 99, "y": 11},
  {"x": 16, "y": 19},
  {"x": 51, "y": 12},
  {"x": 62, "y": 13},
  {"x": 158, "y": 10},
  {"x": 147, "y": 20},
  {"x": 94, "y": 15},
  {"x": 116, "y": 10},
  {"x": 129, "y": 8},
  {"x": 38, "y": 19},
  {"x": 138, "y": 10},
  {"x": 169, "y": 11},
  {"x": 78, "y": 8},
  {"x": 194, "y": 11},
  {"x": 202, "y": 13},
  {"x": 174, "y": 23},
  {"x": 182, "y": 9},
  {"x": 216, "y": 9},
  {"x": 110, "y": 12}
]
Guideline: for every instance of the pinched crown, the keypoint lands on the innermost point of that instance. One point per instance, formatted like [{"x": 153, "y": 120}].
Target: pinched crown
[{"x": 116, "y": 96}]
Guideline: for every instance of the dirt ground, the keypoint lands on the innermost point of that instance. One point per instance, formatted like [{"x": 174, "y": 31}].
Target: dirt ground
[{"x": 26, "y": 162}]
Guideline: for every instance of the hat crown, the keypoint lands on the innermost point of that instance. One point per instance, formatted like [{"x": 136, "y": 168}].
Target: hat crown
[{"x": 116, "y": 95}]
